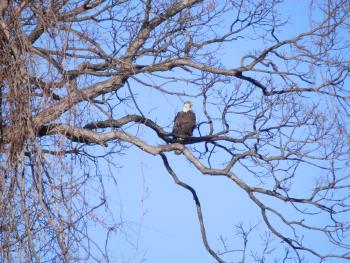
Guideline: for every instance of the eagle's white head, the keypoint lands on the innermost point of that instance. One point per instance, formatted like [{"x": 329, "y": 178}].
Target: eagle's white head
[{"x": 187, "y": 106}]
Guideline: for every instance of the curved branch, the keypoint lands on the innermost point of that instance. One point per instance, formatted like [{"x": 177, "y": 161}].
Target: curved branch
[{"x": 198, "y": 206}]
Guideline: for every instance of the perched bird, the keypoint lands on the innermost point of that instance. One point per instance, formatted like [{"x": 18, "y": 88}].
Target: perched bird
[{"x": 184, "y": 123}]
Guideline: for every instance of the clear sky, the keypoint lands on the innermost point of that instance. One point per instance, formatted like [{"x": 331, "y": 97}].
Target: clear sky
[
  {"x": 276, "y": 110},
  {"x": 160, "y": 219}
]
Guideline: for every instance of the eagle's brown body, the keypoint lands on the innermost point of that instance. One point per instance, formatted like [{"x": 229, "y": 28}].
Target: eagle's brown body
[{"x": 184, "y": 124}]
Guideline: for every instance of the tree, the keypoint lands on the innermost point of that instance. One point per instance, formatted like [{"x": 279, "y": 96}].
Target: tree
[{"x": 274, "y": 103}]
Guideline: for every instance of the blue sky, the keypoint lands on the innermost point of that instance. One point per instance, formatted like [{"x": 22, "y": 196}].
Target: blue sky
[
  {"x": 123, "y": 200},
  {"x": 160, "y": 220}
]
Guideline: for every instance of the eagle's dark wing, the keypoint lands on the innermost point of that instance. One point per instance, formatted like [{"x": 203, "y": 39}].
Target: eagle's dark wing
[
  {"x": 192, "y": 121},
  {"x": 177, "y": 125}
]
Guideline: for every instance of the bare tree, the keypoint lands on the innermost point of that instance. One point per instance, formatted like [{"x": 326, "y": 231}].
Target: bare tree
[{"x": 275, "y": 102}]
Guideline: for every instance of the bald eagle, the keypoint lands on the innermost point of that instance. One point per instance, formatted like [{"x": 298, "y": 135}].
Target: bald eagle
[{"x": 184, "y": 122}]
